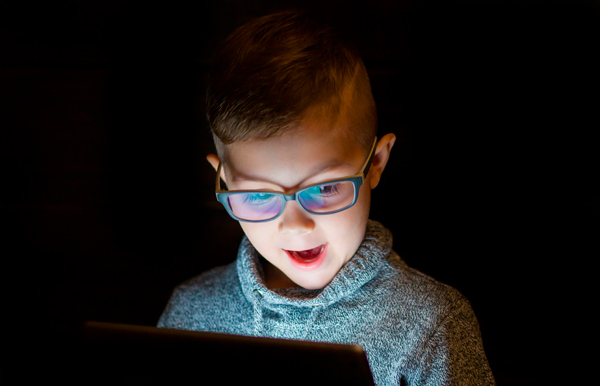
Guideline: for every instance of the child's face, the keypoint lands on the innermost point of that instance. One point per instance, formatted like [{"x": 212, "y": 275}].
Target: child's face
[{"x": 285, "y": 164}]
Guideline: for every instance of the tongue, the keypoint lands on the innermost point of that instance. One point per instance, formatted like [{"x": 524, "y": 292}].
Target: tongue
[{"x": 307, "y": 254}]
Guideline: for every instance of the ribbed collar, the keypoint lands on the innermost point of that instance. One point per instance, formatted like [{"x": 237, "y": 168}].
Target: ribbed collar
[{"x": 359, "y": 270}]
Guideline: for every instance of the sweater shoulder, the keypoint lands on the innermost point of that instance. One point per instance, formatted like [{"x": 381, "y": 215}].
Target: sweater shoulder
[
  {"x": 195, "y": 300},
  {"x": 211, "y": 282},
  {"x": 416, "y": 291}
]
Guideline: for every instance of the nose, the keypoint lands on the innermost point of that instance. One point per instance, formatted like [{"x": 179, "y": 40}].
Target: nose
[{"x": 295, "y": 221}]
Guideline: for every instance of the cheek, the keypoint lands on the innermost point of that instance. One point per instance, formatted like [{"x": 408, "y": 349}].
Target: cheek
[
  {"x": 363, "y": 202},
  {"x": 262, "y": 235},
  {"x": 347, "y": 228},
  {"x": 258, "y": 234}
]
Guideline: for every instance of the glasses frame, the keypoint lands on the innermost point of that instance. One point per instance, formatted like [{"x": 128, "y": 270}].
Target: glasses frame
[{"x": 357, "y": 180}]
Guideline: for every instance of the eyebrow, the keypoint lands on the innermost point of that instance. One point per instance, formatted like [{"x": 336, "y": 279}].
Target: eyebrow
[{"x": 241, "y": 177}]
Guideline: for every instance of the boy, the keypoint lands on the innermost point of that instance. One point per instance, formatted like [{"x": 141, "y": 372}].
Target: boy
[{"x": 294, "y": 123}]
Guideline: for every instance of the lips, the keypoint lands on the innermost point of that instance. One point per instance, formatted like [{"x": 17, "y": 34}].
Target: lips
[
  {"x": 308, "y": 259},
  {"x": 308, "y": 254}
]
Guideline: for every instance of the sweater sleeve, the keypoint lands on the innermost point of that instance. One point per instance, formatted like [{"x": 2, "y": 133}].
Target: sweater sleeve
[
  {"x": 454, "y": 353},
  {"x": 171, "y": 316}
]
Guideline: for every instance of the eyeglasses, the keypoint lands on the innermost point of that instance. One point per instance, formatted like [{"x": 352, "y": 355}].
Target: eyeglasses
[{"x": 327, "y": 197}]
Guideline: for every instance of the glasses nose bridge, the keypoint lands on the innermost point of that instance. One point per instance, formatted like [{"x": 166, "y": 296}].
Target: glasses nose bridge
[
  {"x": 291, "y": 197},
  {"x": 294, "y": 197}
]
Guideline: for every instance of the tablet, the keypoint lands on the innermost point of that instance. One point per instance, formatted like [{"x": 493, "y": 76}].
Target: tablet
[{"x": 141, "y": 355}]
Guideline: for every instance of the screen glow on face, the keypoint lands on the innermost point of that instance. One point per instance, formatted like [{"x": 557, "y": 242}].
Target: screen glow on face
[
  {"x": 328, "y": 197},
  {"x": 321, "y": 199}
]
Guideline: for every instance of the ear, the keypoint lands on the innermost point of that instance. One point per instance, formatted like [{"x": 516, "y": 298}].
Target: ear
[
  {"x": 214, "y": 160},
  {"x": 380, "y": 158}
]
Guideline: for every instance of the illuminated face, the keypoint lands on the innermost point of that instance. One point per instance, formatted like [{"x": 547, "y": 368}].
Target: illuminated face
[{"x": 306, "y": 249}]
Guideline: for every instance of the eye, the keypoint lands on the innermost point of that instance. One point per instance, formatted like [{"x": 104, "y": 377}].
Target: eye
[
  {"x": 323, "y": 190},
  {"x": 328, "y": 190},
  {"x": 258, "y": 198}
]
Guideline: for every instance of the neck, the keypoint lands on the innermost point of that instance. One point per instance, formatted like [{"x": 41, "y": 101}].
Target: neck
[{"x": 274, "y": 278}]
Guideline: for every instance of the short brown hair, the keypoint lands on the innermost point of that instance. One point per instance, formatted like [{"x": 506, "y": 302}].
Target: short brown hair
[{"x": 271, "y": 70}]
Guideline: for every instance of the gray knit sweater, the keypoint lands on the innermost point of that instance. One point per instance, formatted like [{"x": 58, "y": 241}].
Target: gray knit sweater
[{"x": 415, "y": 330}]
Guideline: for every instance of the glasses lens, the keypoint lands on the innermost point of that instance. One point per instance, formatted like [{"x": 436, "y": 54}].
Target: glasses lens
[
  {"x": 255, "y": 206},
  {"x": 327, "y": 198}
]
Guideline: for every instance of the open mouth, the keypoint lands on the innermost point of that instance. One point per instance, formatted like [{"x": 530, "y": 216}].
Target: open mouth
[
  {"x": 308, "y": 259},
  {"x": 308, "y": 254}
]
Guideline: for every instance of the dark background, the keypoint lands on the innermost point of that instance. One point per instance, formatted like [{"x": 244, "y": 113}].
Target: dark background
[{"x": 108, "y": 203}]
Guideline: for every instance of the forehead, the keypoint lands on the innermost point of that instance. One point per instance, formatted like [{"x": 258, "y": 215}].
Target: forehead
[{"x": 294, "y": 158}]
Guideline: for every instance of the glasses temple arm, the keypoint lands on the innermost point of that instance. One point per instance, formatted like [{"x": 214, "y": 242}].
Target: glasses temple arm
[
  {"x": 369, "y": 160},
  {"x": 218, "y": 179}
]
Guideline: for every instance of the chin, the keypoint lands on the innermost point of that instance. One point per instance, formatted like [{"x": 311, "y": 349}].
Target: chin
[
  {"x": 314, "y": 283},
  {"x": 312, "y": 286}
]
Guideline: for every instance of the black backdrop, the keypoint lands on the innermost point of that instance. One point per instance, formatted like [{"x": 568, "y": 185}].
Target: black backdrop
[{"x": 108, "y": 204}]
